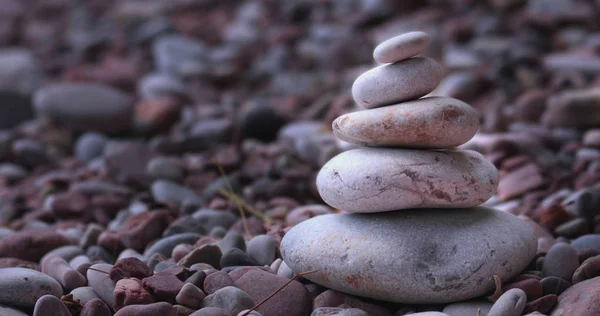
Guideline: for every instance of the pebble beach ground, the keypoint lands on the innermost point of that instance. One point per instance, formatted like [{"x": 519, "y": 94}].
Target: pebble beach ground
[{"x": 154, "y": 154}]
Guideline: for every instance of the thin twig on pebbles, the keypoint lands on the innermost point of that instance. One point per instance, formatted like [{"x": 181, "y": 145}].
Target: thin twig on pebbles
[{"x": 230, "y": 188}]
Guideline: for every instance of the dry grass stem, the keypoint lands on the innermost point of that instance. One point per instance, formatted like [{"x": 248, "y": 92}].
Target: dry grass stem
[
  {"x": 498, "y": 291},
  {"x": 240, "y": 208}
]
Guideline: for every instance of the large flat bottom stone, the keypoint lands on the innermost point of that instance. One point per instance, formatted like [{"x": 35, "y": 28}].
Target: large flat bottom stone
[{"x": 411, "y": 256}]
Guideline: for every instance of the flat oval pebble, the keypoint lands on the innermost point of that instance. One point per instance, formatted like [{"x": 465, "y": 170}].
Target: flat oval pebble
[
  {"x": 590, "y": 268},
  {"x": 61, "y": 271},
  {"x": 7, "y": 311},
  {"x": 394, "y": 83},
  {"x": 337, "y": 311},
  {"x": 211, "y": 311},
  {"x": 435, "y": 122},
  {"x": 154, "y": 309},
  {"x": 101, "y": 282},
  {"x": 591, "y": 241},
  {"x": 95, "y": 307},
  {"x": 84, "y": 294},
  {"x": 165, "y": 245},
  {"x": 431, "y": 256},
  {"x": 84, "y": 106},
  {"x": 31, "y": 245},
  {"x": 367, "y": 180},
  {"x": 560, "y": 261},
  {"x": 401, "y": 47},
  {"x": 50, "y": 305},
  {"x": 22, "y": 287},
  {"x": 190, "y": 296},
  {"x": 511, "y": 303},
  {"x": 262, "y": 249},
  {"x": 229, "y": 298},
  {"x": 471, "y": 307}
]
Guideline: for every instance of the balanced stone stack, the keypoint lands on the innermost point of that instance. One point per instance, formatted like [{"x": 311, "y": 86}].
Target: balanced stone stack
[{"x": 412, "y": 230}]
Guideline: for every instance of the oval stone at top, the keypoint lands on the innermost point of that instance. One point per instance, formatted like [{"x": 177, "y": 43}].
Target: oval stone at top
[{"x": 401, "y": 47}]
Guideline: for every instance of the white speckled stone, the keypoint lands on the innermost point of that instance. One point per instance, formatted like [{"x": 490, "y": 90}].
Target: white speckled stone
[
  {"x": 436, "y": 122},
  {"x": 22, "y": 287},
  {"x": 414, "y": 256},
  {"x": 394, "y": 83},
  {"x": 367, "y": 180},
  {"x": 401, "y": 47}
]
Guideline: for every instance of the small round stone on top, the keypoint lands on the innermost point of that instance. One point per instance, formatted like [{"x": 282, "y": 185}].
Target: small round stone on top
[{"x": 401, "y": 47}]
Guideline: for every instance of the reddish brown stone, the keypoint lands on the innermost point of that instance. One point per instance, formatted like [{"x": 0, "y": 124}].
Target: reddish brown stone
[
  {"x": 531, "y": 287},
  {"x": 331, "y": 298},
  {"x": 293, "y": 300},
  {"x": 553, "y": 215},
  {"x": 157, "y": 115},
  {"x": 590, "y": 268},
  {"x": 582, "y": 298},
  {"x": 31, "y": 245},
  {"x": 109, "y": 239},
  {"x": 519, "y": 181},
  {"x": 18, "y": 263},
  {"x": 70, "y": 204},
  {"x": 142, "y": 228},
  {"x": 130, "y": 268},
  {"x": 130, "y": 291},
  {"x": 128, "y": 163},
  {"x": 543, "y": 304},
  {"x": 164, "y": 286}
]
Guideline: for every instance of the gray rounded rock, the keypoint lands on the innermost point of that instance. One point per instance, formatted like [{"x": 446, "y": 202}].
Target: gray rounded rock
[
  {"x": 85, "y": 107},
  {"x": 7, "y": 311},
  {"x": 165, "y": 245},
  {"x": 19, "y": 71},
  {"x": 262, "y": 249},
  {"x": 560, "y": 261},
  {"x": 170, "y": 192},
  {"x": 511, "y": 303},
  {"x": 101, "y": 282},
  {"x": 50, "y": 305},
  {"x": 435, "y": 122},
  {"x": 229, "y": 298},
  {"x": 471, "y": 307},
  {"x": 591, "y": 241},
  {"x": 22, "y": 287},
  {"x": 338, "y": 311},
  {"x": 84, "y": 294},
  {"x": 89, "y": 146},
  {"x": 167, "y": 168},
  {"x": 394, "y": 83},
  {"x": 401, "y": 47},
  {"x": 413, "y": 256},
  {"x": 367, "y": 180}
]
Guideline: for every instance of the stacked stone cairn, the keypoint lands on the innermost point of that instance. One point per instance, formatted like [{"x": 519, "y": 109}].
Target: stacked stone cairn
[{"x": 411, "y": 230}]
